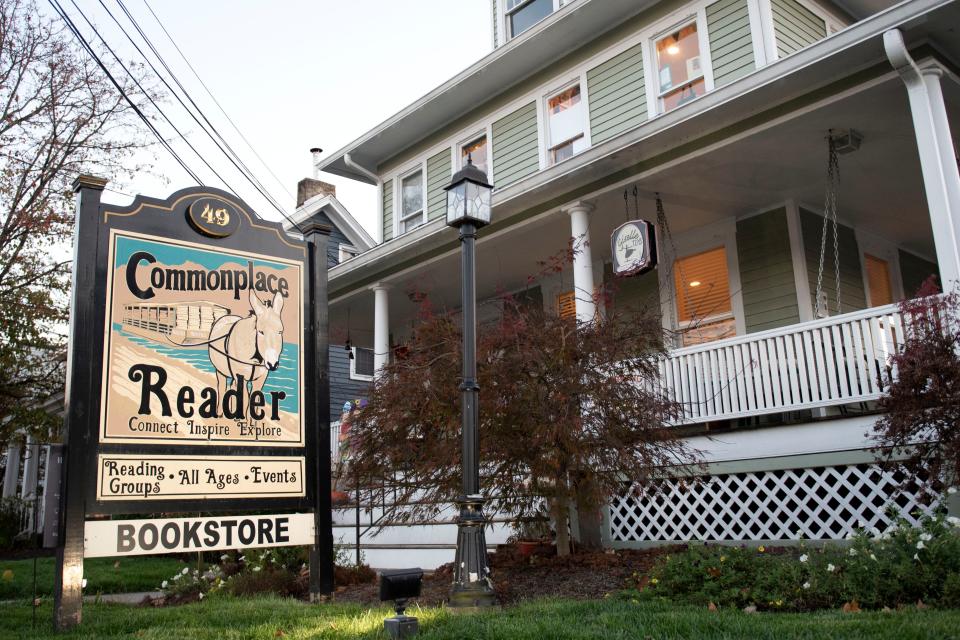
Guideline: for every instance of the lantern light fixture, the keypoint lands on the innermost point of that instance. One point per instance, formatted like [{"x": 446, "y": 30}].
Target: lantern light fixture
[{"x": 468, "y": 197}]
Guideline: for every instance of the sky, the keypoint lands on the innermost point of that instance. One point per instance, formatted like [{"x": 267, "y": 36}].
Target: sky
[{"x": 291, "y": 74}]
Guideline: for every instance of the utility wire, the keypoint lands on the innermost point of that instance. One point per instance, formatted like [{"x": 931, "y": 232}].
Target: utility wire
[
  {"x": 215, "y": 101},
  {"x": 93, "y": 54},
  {"x": 152, "y": 101},
  {"x": 222, "y": 145}
]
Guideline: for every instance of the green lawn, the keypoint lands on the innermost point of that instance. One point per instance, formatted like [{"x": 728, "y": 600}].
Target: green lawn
[
  {"x": 222, "y": 617},
  {"x": 133, "y": 574}
]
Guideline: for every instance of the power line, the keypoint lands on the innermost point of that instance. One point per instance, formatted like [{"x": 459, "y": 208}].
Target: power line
[
  {"x": 93, "y": 54},
  {"x": 152, "y": 101},
  {"x": 212, "y": 97},
  {"x": 228, "y": 151}
]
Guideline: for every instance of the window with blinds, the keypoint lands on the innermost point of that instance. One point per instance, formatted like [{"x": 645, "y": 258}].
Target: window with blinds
[
  {"x": 702, "y": 285},
  {"x": 567, "y": 305},
  {"x": 878, "y": 280}
]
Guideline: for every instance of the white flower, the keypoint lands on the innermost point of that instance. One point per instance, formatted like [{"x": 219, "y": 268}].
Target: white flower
[
  {"x": 830, "y": 568},
  {"x": 255, "y": 569},
  {"x": 185, "y": 571},
  {"x": 163, "y": 585},
  {"x": 954, "y": 521},
  {"x": 916, "y": 557},
  {"x": 83, "y": 585},
  {"x": 952, "y": 490},
  {"x": 242, "y": 558},
  {"x": 804, "y": 558},
  {"x": 920, "y": 545},
  {"x": 873, "y": 557},
  {"x": 224, "y": 557},
  {"x": 853, "y": 552},
  {"x": 926, "y": 537},
  {"x": 201, "y": 595},
  {"x": 806, "y": 585}
]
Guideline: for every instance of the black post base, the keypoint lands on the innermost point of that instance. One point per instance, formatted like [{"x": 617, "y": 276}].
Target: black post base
[{"x": 472, "y": 587}]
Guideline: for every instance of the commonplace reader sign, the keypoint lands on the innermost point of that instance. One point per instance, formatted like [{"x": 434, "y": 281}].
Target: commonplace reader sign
[{"x": 196, "y": 384}]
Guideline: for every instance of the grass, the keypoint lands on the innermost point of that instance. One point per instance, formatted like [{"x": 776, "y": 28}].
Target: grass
[
  {"x": 133, "y": 574},
  {"x": 611, "y": 619}
]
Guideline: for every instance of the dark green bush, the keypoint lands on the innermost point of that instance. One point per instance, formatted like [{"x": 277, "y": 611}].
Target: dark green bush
[
  {"x": 11, "y": 517},
  {"x": 903, "y": 566}
]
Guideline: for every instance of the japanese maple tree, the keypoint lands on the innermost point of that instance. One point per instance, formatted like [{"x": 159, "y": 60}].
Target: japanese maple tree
[{"x": 569, "y": 414}]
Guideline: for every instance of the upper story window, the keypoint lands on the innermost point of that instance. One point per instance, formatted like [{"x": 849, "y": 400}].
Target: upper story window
[
  {"x": 680, "y": 75},
  {"x": 477, "y": 152},
  {"x": 566, "y": 125},
  {"x": 411, "y": 201},
  {"x": 523, "y": 14}
]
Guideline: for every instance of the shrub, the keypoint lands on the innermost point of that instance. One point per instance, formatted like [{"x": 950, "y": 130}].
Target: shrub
[
  {"x": 902, "y": 566},
  {"x": 11, "y": 519}
]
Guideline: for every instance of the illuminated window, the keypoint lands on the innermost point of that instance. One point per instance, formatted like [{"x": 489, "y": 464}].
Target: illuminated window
[
  {"x": 878, "y": 280},
  {"x": 566, "y": 123},
  {"x": 477, "y": 151},
  {"x": 679, "y": 68},
  {"x": 567, "y": 305},
  {"x": 702, "y": 285}
]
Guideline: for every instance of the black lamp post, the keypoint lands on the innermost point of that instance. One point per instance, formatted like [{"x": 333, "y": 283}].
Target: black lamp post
[{"x": 468, "y": 208}]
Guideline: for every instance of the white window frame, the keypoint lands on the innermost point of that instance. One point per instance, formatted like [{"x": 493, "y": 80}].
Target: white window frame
[
  {"x": 398, "y": 218},
  {"x": 722, "y": 233},
  {"x": 543, "y": 117},
  {"x": 696, "y": 15},
  {"x": 883, "y": 249},
  {"x": 505, "y": 14},
  {"x": 764, "y": 11},
  {"x": 462, "y": 141},
  {"x": 353, "y": 367}
]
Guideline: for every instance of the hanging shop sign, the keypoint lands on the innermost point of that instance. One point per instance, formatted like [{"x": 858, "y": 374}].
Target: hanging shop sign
[
  {"x": 193, "y": 325},
  {"x": 634, "y": 248}
]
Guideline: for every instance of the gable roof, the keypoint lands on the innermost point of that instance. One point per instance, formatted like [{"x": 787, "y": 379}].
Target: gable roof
[{"x": 338, "y": 215}]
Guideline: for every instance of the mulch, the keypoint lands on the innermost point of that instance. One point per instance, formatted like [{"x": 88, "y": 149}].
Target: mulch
[{"x": 580, "y": 576}]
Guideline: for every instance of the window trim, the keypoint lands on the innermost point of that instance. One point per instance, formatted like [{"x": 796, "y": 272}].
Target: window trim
[
  {"x": 353, "y": 367},
  {"x": 398, "y": 217},
  {"x": 349, "y": 248},
  {"x": 882, "y": 249},
  {"x": 505, "y": 14},
  {"x": 543, "y": 117},
  {"x": 461, "y": 141},
  {"x": 695, "y": 14}
]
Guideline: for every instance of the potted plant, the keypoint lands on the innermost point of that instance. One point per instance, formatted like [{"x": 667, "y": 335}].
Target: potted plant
[{"x": 531, "y": 534}]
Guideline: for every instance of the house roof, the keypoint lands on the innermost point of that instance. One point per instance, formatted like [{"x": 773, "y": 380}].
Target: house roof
[
  {"x": 338, "y": 215},
  {"x": 503, "y": 68}
]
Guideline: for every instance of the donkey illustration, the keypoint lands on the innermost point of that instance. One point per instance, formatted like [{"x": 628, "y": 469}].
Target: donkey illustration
[{"x": 249, "y": 347}]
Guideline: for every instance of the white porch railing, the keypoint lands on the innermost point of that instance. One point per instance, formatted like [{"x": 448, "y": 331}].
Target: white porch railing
[{"x": 826, "y": 362}]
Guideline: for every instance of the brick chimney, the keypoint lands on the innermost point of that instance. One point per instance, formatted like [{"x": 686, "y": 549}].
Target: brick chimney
[{"x": 310, "y": 187}]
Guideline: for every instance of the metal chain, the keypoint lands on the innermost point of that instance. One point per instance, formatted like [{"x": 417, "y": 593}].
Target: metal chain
[{"x": 829, "y": 215}]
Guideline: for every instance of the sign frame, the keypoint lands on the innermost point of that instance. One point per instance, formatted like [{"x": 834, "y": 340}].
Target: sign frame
[
  {"x": 648, "y": 257},
  {"x": 171, "y": 219}
]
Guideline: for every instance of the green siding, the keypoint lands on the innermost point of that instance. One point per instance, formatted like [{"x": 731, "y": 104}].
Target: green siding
[
  {"x": 515, "y": 146},
  {"x": 633, "y": 294},
  {"x": 618, "y": 100},
  {"x": 766, "y": 272},
  {"x": 387, "y": 210},
  {"x": 795, "y": 26},
  {"x": 438, "y": 176},
  {"x": 731, "y": 43},
  {"x": 852, "y": 294},
  {"x": 913, "y": 271}
]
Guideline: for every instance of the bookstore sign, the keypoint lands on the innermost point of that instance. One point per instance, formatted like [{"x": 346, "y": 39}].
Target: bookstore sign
[{"x": 194, "y": 324}]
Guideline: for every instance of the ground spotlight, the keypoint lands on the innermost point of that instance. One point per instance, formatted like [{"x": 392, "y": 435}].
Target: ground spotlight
[{"x": 400, "y": 585}]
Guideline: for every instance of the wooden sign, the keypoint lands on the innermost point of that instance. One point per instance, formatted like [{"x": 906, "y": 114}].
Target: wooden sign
[
  {"x": 633, "y": 246},
  {"x": 194, "y": 324}
]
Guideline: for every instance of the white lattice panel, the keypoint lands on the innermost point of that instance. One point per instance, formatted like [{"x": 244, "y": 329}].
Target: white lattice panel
[{"x": 818, "y": 503}]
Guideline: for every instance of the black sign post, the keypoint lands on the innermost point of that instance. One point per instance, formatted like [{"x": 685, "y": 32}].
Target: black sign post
[{"x": 197, "y": 381}]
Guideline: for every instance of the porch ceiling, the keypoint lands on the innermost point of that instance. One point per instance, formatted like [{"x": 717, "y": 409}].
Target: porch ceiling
[{"x": 881, "y": 192}]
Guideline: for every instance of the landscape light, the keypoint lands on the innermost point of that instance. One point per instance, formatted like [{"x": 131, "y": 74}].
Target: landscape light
[{"x": 400, "y": 585}]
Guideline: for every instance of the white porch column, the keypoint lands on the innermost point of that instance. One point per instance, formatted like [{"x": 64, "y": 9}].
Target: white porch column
[
  {"x": 12, "y": 472},
  {"x": 31, "y": 468},
  {"x": 381, "y": 326},
  {"x": 582, "y": 261},
  {"x": 937, "y": 163}
]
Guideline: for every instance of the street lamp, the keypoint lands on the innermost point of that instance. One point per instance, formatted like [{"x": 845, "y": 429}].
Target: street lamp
[{"x": 468, "y": 208}]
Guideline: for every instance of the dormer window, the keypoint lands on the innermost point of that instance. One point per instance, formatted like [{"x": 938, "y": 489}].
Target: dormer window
[
  {"x": 523, "y": 14},
  {"x": 680, "y": 74}
]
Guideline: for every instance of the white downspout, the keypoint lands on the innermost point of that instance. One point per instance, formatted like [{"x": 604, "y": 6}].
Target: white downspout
[
  {"x": 347, "y": 160},
  {"x": 936, "y": 176}
]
